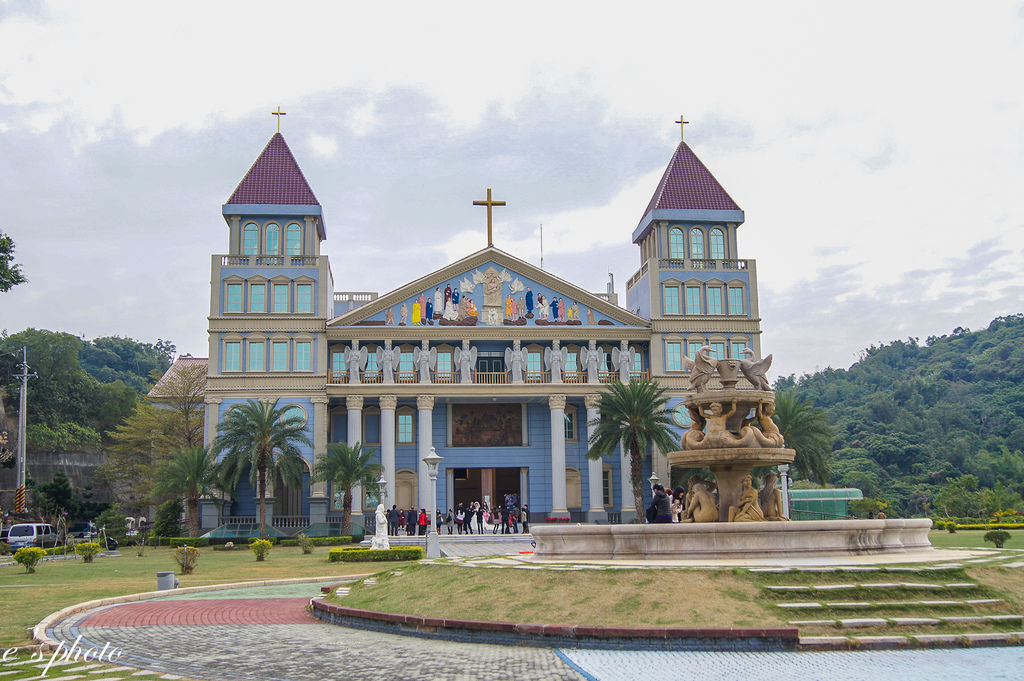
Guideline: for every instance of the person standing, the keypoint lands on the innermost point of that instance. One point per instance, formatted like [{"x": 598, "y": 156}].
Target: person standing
[
  {"x": 460, "y": 517},
  {"x": 423, "y": 522},
  {"x": 514, "y": 517},
  {"x": 525, "y": 513},
  {"x": 479, "y": 519},
  {"x": 662, "y": 505},
  {"x": 393, "y": 520},
  {"x": 410, "y": 522},
  {"x": 439, "y": 519},
  {"x": 449, "y": 520}
]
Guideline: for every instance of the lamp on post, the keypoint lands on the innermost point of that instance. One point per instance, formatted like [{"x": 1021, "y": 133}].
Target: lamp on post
[
  {"x": 784, "y": 472},
  {"x": 433, "y": 541},
  {"x": 382, "y": 489},
  {"x": 654, "y": 480}
]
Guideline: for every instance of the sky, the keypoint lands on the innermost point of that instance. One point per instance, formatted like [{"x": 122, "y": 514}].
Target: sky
[{"x": 877, "y": 149}]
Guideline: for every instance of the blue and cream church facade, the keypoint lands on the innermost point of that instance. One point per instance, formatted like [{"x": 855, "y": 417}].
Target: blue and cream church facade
[{"x": 494, "y": 362}]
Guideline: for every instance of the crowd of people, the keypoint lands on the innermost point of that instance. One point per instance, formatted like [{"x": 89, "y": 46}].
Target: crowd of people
[{"x": 473, "y": 518}]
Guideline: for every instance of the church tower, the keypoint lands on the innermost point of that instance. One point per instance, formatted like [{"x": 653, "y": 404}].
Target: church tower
[
  {"x": 692, "y": 283},
  {"x": 271, "y": 296}
]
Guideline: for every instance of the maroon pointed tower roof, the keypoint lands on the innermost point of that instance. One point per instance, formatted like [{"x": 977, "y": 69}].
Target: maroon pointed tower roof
[
  {"x": 275, "y": 178},
  {"x": 688, "y": 191}
]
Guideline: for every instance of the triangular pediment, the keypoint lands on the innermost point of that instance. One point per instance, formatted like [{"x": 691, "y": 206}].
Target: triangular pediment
[{"x": 489, "y": 288}]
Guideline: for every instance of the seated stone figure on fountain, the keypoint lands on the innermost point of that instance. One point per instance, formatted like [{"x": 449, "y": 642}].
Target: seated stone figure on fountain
[
  {"x": 718, "y": 434},
  {"x": 747, "y": 508},
  {"x": 769, "y": 435},
  {"x": 700, "y": 502},
  {"x": 770, "y": 498}
]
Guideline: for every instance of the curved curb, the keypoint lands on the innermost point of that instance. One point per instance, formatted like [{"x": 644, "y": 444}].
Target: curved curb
[
  {"x": 40, "y": 636},
  {"x": 560, "y": 636}
]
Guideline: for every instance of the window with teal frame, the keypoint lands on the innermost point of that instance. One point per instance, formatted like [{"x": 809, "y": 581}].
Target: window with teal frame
[
  {"x": 404, "y": 428},
  {"x": 256, "y": 359},
  {"x": 676, "y": 243},
  {"x": 303, "y": 297},
  {"x": 693, "y": 300},
  {"x": 338, "y": 364},
  {"x": 696, "y": 244},
  {"x": 718, "y": 350},
  {"x": 273, "y": 239},
  {"x": 257, "y": 298},
  {"x": 279, "y": 355},
  {"x": 280, "y": 297},
  {"x": 303, "y": 356},
  {"x": 294, "y": 236},
  {"x": 234, "y": 298},
  {"x": 533, "y": 365},
  {"x": 737, "y": 349},
  {"x": 671, "y": 297},
  {"x": 405, "y": 364},
  {"x": 569, "y": 416},
  {"x": 692, "y": 349},
  {"x": 250, "y": 239},
  {"x": 714, "y": 300},
  {"x": 232, "y": 356},
  {"x": 735, "y": 300},
  {"x": 674, "y": 356},
  {"x": 717, "y": 244}
]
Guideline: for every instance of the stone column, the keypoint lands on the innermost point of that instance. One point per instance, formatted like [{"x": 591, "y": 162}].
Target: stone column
[
  {"x": 595, "y": 467},
  {"x": 318, "y": 501},
  {"x": 212, "y": 412},
  {"x": 558, "y": 505},
  {"x": 354, "y": 405},
  {"x": 388, "y": 403},
  {"x": 424, "y": 438},
  {"x": 784, "y": 476},
  {"x": 628, "y": 513}
]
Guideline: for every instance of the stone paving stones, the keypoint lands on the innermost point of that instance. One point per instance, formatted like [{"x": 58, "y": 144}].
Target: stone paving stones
[
  {"x": 799, "y": 606},
  {"x": 881, "y": 585},
  {"x": 849, "y": 604},
  {"x": 882, "y": 641},
  {"x": 799, "y": 587},
  {"x": 860, "y": 622},
  {"x": 914, "y": 621},
  {"x": 860, "y": 568},
  {"x": 832, "y": 587},
  {"x": 937, "y": 639},
  {"x": 771, "y": 570}
]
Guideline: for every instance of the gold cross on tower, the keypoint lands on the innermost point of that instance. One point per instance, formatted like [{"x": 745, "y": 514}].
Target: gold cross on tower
[
  {"x": 489, "y": 203},
  {"x": 278, "y": 113},
  {"x": 682, "y": 122}
]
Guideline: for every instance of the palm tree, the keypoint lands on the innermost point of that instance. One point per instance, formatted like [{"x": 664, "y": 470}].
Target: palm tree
[
  {"x": 346, "y": 467},
  {"x": 633, "y": 415},
  {"x": 259, "y": 435},
  {"x": 807, "y": 430},
  {"x": 188, "y": 473}
]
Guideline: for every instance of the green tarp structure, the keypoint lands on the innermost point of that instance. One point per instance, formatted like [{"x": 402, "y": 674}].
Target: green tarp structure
[
  {"x": 242, "y": 531},
  {"x": 821, "y": 504}
]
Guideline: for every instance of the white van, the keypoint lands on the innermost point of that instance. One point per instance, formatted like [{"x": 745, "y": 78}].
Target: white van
[{"x": 31, "y": 534}]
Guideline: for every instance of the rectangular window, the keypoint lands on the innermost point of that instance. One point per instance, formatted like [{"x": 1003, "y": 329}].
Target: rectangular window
[
  {"x": 233, "y": 356},
  {"x": 692, "y": 349},
  {"x": 256, "y": 359},
  {"x": 737, "y": 349},
  {"x": 303, "y": 356},
  {"x": 714, "y": 300},
  {"x": 338, "y": 363},
  {"x": 533, "y": 366},
  {"x": 571, "y": 363},
  {"x": 304, "y": 298},
  {"x": 280, "y": 297},
  {"x": 570, "y": 425},
  {"x": 371, "y": 363},
  {"x": 279, "y": 353},
  {"x": 735, "y": 300},
  {"x": 638, "y": 362},
  {"x": 718, "y": 350},
  {"x": 258, "y": 298},
  {"x": 674, "y": 357},
  {"x": 404, "y": 428},
  {"x": 234, "y": 298},
  {"x": 693, "y": 300},
  {"x": 405, "y": 364},
  {"x": 606, "y": 487},
  {"x": 671, "y": 295},
  {"x": 444, "y": 363}
]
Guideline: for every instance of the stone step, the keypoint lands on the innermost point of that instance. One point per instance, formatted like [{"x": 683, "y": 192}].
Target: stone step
[
  {"x": 787, "y": 588},
  {"x": 815, "y": 605},
  {"x": 854, "y": 623},
  {"x": 910, "y": 640}
]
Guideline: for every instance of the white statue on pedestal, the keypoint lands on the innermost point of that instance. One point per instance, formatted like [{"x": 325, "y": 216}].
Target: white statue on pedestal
[
  {"x": 425, "y": 359},
  {"x": 593, "y": 360},
  {"x": 554, "y": 359},
  {"x": 622, "y": 359},
  {"x": 380, "y": 536},
  {"x": 515, "y": 358},
  {"x": 387, "y": 360},
  {"x": 355, "y": 358},
  {"x": 465, "y": 359}
]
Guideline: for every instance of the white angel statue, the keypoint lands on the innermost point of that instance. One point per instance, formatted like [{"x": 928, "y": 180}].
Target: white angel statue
[
  {"x": 355, "y": 360},
  {"x": 465, "y": 359},
  {"x": 387, "y": 360},
  {"x": 515, "y": 358},
  {"x": 425, "y": 361},
  {"x": 593, "y": 360},
  {"x": 554, "y": 360}
]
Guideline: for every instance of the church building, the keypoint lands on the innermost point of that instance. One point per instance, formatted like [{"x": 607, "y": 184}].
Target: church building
[{"x": 495, "y": 363}]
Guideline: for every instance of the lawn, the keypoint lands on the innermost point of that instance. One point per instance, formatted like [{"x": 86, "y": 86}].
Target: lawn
[
  {"x": 972, "y": 539},
  {"x": 25, "y": 599}
]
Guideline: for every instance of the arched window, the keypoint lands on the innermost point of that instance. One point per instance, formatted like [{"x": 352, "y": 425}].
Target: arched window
[
  {"x": 294, "y": 244},
  {"x": 676, "y": 243},
  {"x": 273, "y": 239},
  {"x": 696, "y": 244},
  {"x": 717, "y": 244},
  {"x": 250, "y": 239}
]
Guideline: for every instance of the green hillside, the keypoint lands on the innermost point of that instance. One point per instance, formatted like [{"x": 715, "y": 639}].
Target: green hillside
[{"x": 910, "y": 416}]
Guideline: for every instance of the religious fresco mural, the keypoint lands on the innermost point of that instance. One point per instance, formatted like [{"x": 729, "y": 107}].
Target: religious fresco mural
[
  {"x": 490, "y": 296},
  {"x": 487, "y": 425}
]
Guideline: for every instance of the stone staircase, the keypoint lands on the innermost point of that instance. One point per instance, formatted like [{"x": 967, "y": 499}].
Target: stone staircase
[{"x": 858, "y": 607}]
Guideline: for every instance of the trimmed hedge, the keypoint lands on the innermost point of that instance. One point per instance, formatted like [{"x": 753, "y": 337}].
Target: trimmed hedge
[
  {"x": 319, "y": 541},
  {"x": 367, "y": 555},
  {"x": 197, "y": 542},
  {"x": 991, "y": 526}
]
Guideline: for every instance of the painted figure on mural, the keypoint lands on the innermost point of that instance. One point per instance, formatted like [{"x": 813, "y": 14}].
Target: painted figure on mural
[
  {"x": 590, "y": 316},
  {"x": 522, "y": 307},
  {"x": 438, "y": 302},
  {"x": 415, "y": 312},
  {"x": 389, "y": 316},
  {"x": 554, "y": 309},
  {"x": 529, "y": 301},
  {"x": 428, "y": 311},
  {"x": 455, "y": 296},
  {"x": 451, "y": 313},
  {"x": 405, "y": 314},
  {"x": 447, "y": 294},
  {"x": 542, "y": 307},
  {"x": 508, "y": 307},
  {"x": 423, "y": 305}
]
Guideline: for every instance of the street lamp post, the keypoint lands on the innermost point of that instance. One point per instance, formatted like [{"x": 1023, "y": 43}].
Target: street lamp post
[
  {"x": 381, "y": 492},
  {"x": 654, "y": 480},
  {"x": 784, "y": 472},
  {"x": 433, "y": 541}
]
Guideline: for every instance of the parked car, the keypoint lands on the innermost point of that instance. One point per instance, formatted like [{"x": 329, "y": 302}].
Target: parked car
[
  {"x": 32, "y": 534},
  {"x": 83, "y": 531}
]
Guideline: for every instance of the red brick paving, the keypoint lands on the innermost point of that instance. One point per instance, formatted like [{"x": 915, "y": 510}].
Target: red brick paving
[{"x": 212, "y": 611}]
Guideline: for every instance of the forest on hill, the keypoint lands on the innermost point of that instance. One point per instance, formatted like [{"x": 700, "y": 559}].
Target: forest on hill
[
  {"x": 82, "y": 389},
  {"x": 933, "y": 428}
]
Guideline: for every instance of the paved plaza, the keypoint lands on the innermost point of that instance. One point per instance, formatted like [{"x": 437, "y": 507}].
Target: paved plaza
[{"x": 265, "y": 633}]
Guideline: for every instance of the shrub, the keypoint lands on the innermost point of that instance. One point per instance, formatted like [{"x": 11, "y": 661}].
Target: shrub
[
  {"x": 168, "y": 519},
  {"x": 997, "y": 537},
  {"x": 112, "y": 520},
  {"x": 367, "y": 555},
  {"x": 29, "y": 556},
  {"x": 951, "y": 526},
  {"x": 87, "y": 550},
  {"x": 306, "y": 543},
  {"x": 175, "y": 542},
  {"x": 186, "y": 557},
  {"x": 5, "y": 548},
  {"x": 261, "y": 547},
  {"x": 318, "y": 541}
]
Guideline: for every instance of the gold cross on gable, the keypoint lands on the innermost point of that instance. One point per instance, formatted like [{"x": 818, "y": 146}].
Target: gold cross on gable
[
  {"x": 278, "y": 113},
  {"x": 490, "y": 204},
  {"x": 682, "y": 122}
]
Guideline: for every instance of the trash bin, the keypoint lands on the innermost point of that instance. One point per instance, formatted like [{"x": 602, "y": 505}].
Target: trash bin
[{"x": 166, "y": 581}]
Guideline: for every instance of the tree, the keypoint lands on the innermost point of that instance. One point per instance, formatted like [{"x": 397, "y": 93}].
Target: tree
[
  {"x": 258, "y": 436},
  {"x": 807, "y": 430},
  {"x": 137, "y": 447},
  {"x": 633, "y": 414},
  {"x": 10, "y": 272},
  {"x": 347, "y": 467},
  {"x": 189, "y": 472},
  {"x": 182, "y": 391}
]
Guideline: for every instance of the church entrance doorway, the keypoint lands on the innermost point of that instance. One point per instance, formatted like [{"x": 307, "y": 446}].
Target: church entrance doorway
[{"x": 493, "y": 486}]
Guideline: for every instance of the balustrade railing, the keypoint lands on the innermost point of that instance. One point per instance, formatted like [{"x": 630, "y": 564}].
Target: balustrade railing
[
  {"x": 481, "y": 377},
  {"x": 700, "y": 264},
  {"x": 268, "y": 260},
  {"x": 491, "y": 377},
  {"x": 290, "y": 521}
]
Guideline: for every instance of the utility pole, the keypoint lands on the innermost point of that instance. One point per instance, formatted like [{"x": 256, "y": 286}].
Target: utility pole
[{"x": 19, "y": 494}]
